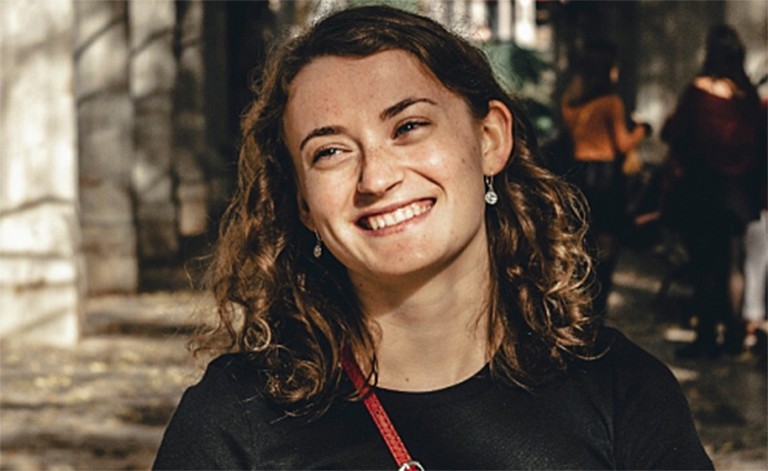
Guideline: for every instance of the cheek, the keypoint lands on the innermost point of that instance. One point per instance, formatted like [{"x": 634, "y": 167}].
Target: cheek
[
  {"x": 315, "y": 196},
  {"x": 324, "y": 197},
  {"x": 456, "y": 156}
]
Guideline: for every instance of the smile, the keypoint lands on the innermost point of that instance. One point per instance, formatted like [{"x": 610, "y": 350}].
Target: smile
[{"x": 398, "y": 216}]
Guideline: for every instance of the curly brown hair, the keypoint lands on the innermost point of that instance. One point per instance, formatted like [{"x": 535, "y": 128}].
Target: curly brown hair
[{"x": 294, "y": 312}]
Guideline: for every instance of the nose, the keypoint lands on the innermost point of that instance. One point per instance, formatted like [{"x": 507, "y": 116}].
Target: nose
[{"x": 380, "y": 172}]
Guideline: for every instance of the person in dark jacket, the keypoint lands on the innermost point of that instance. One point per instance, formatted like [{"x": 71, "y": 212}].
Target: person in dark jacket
[
  {"x": 714, "y": 137},
  {"x": 400, "y": 284}
]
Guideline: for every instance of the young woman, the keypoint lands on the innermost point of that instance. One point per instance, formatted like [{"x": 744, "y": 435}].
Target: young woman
[
  {"x": 717, "y": 137},
  {"x": 595, "y": 119},
  {"x": 402, "y": 285}
]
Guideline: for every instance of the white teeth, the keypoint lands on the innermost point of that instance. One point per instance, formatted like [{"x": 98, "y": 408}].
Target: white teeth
[{"x": 397, "y": 216}]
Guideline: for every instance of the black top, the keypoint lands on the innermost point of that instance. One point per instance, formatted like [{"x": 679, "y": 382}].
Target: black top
[{"x": 622, "y": 411}]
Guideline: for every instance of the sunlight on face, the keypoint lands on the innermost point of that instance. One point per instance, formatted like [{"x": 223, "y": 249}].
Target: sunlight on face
[{"x": 390, "y": 165}]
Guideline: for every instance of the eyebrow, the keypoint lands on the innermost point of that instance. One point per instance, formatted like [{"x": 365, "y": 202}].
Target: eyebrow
[
  {"x": 324, "y": 131},
  {"x": 388, "y": 113},
  {"x": 402, "y": 105}
]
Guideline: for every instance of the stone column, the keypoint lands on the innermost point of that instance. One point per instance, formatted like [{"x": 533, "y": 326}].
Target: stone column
[
  {"x": 40, "y": 258},
  {"x": 191, "y": 146},
  {"x": 105, "y": 120},
  {"x": 152, "y": 79}
]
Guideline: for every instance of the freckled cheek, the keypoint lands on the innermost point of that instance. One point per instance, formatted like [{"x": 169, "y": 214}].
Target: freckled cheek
[
  {"x": 437, "y": 155},
  {"x": 453, "y": 158},
  {"x": 325, "y": 198}
]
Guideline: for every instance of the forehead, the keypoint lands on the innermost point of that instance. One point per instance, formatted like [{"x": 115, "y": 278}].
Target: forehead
[{"x": 374, "y": 78}]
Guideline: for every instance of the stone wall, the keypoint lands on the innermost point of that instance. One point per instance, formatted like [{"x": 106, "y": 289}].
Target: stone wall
[
  {"x": 105, "y": 118},
  {"x": 40, "y": 236}
]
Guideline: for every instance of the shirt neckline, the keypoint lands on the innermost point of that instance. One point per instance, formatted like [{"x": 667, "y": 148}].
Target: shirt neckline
[{"x": 476, "y": 384}]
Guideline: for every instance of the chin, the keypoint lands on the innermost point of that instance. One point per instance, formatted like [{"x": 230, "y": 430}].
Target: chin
[{"x": 404, "y": 269}]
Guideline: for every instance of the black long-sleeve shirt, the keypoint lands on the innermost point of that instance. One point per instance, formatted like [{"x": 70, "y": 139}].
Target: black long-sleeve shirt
[{"x": 622, "y": 411}]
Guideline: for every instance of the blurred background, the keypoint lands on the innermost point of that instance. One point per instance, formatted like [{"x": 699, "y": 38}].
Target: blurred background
[{"x": 118, "y": 144}]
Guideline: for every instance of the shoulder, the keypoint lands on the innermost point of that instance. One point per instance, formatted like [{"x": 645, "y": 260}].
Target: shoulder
[
  {"x": 230, "y": 370},
  {"x": 213, "y": 425},
  {"x": 630, "y": 363},
  {"x": 601, "y": 105},
  {"x": 612, "y": 102},
  {"x": 621, "y": 348},
  {"x": 229, "y": 381},
  {"x": 238, "y": 368},
  {"x": 718, "y": 87},
  {"x": 619, "y": 370},
  {"x": 652, "y": 423},
  {"x": 605, "y": 105},
  {"x": 611, "y": 98},
  {"x": 643, "y": 387},
  {"x": 628, "y": 369}
]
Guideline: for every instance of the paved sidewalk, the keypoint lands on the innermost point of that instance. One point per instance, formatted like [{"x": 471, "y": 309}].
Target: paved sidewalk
[
  {"x": 728, "y": 396},
  {"x": 104, "y": 404}
]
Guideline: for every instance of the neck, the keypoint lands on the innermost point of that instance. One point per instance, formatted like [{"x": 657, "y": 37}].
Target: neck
[{"x": 431, "y": 333}]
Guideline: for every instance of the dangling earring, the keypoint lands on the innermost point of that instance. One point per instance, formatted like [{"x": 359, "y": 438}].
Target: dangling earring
[
  {"x": 490, "y": 194},
  {"x": 318, "y": 250}
]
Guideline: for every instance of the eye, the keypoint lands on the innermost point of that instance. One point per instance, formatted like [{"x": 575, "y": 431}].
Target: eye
[
  {"x": 325, "y": 153},
  {"x": 409, "y": 126}
]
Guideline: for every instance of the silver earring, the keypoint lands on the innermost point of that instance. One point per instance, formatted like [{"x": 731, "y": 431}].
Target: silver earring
[
  {"x": 318, "y": 250},
  {"x": 491, "y": 197}
]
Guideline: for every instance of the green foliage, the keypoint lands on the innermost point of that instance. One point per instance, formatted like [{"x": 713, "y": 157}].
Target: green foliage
[{"x": 529, "y": 76}]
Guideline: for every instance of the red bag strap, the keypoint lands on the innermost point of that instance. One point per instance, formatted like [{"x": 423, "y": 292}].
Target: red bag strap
[{"x": 379, "y": 415}]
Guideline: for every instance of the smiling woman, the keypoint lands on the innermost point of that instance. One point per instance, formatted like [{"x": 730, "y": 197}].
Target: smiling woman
[
  {"x": 395, "y": 190},
  {"x": 397, "y": 277}
]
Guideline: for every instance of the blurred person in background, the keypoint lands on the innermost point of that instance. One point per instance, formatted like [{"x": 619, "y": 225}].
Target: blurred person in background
[
  {"x": 595, "y": 118},
  {"x": 755, "y": 292},
  {"x": 756, "y": 248},
  {"x": 714, "y": 136},
  {"x": 401, "y": 285}
]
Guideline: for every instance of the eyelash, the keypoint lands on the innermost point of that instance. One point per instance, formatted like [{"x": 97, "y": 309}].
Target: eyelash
[
  {"x": 326, "y": 152},
  {"x": 408, "y": 127},
  {"x": 402, "y": 129}
]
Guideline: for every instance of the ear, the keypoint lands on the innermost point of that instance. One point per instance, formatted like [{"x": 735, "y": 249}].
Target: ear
[
  {"x": 497, "y": 137},
  {"x": 304, "y": 213}
]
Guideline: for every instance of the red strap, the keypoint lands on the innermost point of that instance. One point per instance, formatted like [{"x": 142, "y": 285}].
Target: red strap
[{"x": 379, "y": 415}]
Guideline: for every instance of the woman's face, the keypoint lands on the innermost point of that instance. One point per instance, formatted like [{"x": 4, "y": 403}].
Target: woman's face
[{"x": 390, "y": 165}]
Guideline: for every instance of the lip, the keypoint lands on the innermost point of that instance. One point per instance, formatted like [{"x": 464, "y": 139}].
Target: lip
[{"x": 362, "y": 221}]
